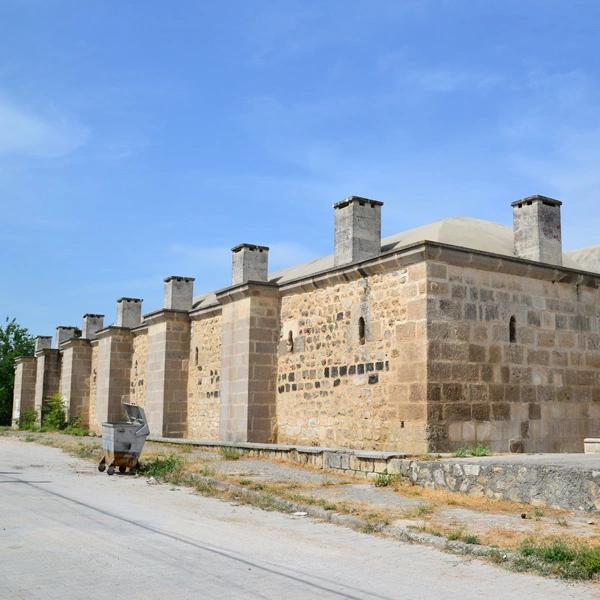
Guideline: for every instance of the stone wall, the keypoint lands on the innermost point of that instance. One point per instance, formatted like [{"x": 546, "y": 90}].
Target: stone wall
[
  {"x": 204, "y": 398},
  {"x": 139, "y": 361},
  {"x": 550, "y": 485},
  {"x": 336, "y": 389},
  {"x": 426, "y": 350},
  {"x": 541, "y": 390}
]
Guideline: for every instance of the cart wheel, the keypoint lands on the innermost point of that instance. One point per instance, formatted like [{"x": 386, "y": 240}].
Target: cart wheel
[
  {"x": 122, "y": 469},
  {"x": 111, "y": 470},
  {"x": 102, "y": 465}
]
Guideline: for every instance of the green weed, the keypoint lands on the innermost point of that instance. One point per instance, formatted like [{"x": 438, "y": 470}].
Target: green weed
[
  {"x": 455, "y": 534},
  {"x": 162, "y": 467},
  {"x": 470, "y": 539},
  {"x": 27, "y": 420},
  {"x": 53, "y": 414},
  {"x": 385, "y": 479},
  {"x": 472, "y": 451},
  {"x": 565, "y": 559},
  {"x": 229, "y": 453}
]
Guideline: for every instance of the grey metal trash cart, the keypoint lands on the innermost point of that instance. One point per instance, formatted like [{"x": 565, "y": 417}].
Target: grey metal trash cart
[{"x": 122, "y": 443}]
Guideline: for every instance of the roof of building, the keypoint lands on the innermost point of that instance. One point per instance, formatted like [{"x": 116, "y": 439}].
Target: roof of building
[
  {"x": 465, "y": 232},
  {"x": 587, "y": 259}
]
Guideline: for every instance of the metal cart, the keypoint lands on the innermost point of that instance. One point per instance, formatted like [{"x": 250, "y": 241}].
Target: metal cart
[{"x": 123, "y": 442}]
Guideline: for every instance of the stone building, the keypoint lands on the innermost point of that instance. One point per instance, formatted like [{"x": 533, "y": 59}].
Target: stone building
[{"x": 459, "y": 332}]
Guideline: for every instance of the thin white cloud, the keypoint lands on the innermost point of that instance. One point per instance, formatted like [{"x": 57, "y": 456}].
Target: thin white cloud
[
  {"x": 555, "y": 143},
  {"x": 281, "y": 255},
  {"x": 406, "y": 76},
  {"x": 215, "y": 256},
  {"x": 23, "y": 133}
]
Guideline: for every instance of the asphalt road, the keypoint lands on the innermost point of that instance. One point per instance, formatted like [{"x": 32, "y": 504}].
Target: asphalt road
[{"x": 67, "y": 531}]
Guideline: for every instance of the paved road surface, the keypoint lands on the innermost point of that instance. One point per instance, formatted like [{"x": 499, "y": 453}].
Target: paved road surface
[{"x": 67, "y": 531}]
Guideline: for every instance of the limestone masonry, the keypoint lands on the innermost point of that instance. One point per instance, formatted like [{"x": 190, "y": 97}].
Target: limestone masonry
[{"x": 455, "y": 333}]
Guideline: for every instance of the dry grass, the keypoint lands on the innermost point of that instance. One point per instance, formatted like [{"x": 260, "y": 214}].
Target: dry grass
[
  {"x": 479, "y": 503},
  {"x": 502, "y": 537}
]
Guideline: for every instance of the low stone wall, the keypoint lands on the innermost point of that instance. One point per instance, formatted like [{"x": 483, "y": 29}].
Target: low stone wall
[
  {"x": 359, "y": 462},
  {"x": 537, "y": 484},
  {"x": 567, "y": 486}
]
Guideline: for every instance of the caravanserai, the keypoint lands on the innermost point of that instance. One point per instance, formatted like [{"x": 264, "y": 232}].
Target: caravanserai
[{"x": 462, "y": 331}]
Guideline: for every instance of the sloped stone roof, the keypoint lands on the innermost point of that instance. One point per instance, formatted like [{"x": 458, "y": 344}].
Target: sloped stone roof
[
  {"x": 588, "y": 259},
  {"x": 466, "y": 232}
]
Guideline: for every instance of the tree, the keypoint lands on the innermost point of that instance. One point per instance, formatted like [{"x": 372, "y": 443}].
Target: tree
[{"x": 14, "y": 341}]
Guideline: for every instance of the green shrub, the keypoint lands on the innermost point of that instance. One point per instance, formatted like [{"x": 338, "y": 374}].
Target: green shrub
[
  {"x": 27, "y": 420},
  {"x": 162, "y": 467},
  {"x": 53, "y": 414},
  {"x": 385, "y": 479}
]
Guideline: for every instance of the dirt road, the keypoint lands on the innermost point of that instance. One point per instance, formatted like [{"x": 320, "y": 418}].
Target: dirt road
[{"x": 67, "y": 531}]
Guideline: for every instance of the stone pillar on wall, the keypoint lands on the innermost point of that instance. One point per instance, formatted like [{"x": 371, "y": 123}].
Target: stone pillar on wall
[
  {"x": 42, "y": 342},
  {"x": 24, "y": 390},
  {"x": 357, "y": 230},
  {"x": 91, "y": 325},
  {"x": 249, "y": 262},
  {"x": 76, "y": 367},
  {"x": 249, "y": 362},
  {"x": 115, "y": 349},
  {"x": 168, "y": 360},
  {"x": 129, "y": 312},
  {"x": 114, "y": 355},
  {"x": 47, "y": 374},
  {"x": 537, "y": 229},
  {"x": 178, "y": 293},
  {"x": 167, "y": 372},
  {"x": 75, "y": 378},
  {"x": 66, "y": 332}
]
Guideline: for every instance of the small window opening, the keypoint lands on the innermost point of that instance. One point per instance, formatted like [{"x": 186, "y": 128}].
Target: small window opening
[
  {"x": 361, "y": 330},
  {"x": 135, "y": 369},
  {"x": 290, "y": 342},
  {"x": 512, "y": 330},
  {"x": 196, "y": 356}
]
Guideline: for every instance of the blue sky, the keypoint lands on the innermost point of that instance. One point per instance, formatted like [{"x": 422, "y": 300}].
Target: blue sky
[{"x": 140, "y": 139}]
